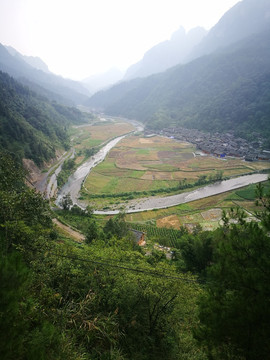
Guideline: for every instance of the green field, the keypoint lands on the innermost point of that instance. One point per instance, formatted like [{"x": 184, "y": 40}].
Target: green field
[
  {"x": 139, "y": 167},
  {"x": 206, "y": 212}
]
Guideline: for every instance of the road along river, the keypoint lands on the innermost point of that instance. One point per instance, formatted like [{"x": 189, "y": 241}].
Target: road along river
[
  {"x": 74, "y": 183},
  {"x": 203, "y": 192}
]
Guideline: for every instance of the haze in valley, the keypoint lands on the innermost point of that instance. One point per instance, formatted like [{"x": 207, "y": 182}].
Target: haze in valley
[{"x": 80, "y": 38}]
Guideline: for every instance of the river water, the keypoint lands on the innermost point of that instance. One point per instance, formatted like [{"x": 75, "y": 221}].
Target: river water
[
  {"x": 152, "y": 203},
  {"x": 75, "y": 181}
]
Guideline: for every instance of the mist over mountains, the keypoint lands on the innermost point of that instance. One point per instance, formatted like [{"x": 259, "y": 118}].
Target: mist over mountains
[
  {"x": 33, "y": 61},
  {"x": 218, "y": 80},
  {"x": 167, "y": 53},
  {"x": 54, "y": 87},
  {"x": 244, "y": 19},
  {"x": 227, "y": 89},
  {"x": 97, "y": 82}
]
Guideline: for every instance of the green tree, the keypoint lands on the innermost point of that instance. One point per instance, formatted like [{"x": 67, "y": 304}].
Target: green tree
[
  {"x": 197, "y": 251},
  {"x": 116, "y": 226},
  {"x": 263, "y": 200},
  {"x": 234, "y": 311},
  {"x": 92, "y": 232},
  {"x": 24, "y": 333},
  {"x": 66, "y": 202}
]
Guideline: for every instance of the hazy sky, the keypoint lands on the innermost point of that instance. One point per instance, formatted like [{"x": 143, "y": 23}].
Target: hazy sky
[{"x": 77, "y": 38}]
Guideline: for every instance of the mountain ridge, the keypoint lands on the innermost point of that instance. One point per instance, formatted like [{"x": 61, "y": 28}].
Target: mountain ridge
[
  {"x": 71, "y": 92},
  {"x": 201, "y": 93},
  {"x": 166, "y": 54}
]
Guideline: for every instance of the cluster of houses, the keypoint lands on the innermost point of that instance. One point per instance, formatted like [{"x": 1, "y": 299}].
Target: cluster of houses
[{"x": 220, "y": 144}]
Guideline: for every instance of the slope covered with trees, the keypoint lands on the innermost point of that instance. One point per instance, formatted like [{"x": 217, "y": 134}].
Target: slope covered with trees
[
  {"x": 228, "y": 90},
  {"x": 107, "y": 299},
  {"x": 54, "y": 87},
  {"x": 30, "y": 125}
]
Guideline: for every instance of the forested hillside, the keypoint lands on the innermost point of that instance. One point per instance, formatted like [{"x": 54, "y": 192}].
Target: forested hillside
[
  {"x": 30, "y": 125},
  {"x": 228, "y": 90},
  {"x": 54, "y": 87},
  {"x": 110, "y": 299}
]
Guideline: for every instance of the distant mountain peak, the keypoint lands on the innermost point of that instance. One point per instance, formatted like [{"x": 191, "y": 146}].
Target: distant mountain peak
[
  {"x": 167, "y": 53},
  {"x": 246, "y": 18},
  {"x": 34, "y": 61}
]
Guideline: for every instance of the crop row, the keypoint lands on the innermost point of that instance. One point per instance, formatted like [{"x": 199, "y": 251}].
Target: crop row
[{"x": 164, "y": 236}]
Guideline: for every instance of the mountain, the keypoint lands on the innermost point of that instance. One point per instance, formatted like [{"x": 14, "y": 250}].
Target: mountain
[
  {"x": 167, "y": 53},
  {"x": 54, "y": 87},
  {"x": 30, "y": 126},
  {"x": 99, "y": 81},
  {"x": 244, "y": 19},
  {"x": 227, "y": 90},
  {"x": 34, "y": 61}
]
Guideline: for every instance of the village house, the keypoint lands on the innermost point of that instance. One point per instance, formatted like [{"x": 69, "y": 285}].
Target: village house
[
  {"x": 139, "y": 237},
  {"x": 218, "y": 144}
]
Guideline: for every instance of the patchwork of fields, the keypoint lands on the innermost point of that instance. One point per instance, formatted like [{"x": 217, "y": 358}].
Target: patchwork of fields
[
  {"x": 138, "y": 166},
  {"x": 205, "y": 213},
  {"x": 87, "y": 136}
]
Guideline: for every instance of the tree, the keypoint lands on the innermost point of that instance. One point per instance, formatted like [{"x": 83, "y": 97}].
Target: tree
[
  {"x": 66, "y": 202},
  {"x": 197, "y": 251},
  {"x": 92, "y": 232},
  {"x": 234, "y": 311},
  {"x": 263, "y": 200},
  {"x": 116, "y": 226}
]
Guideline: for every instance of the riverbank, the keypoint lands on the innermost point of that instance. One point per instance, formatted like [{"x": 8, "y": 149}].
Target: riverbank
[{"x": 153, "y": 203}]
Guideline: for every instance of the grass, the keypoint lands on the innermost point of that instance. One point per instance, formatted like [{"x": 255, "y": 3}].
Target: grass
[
  {"x": 93, "y": 135},
  {"x": 207, "y": 212},
  {"x": 155, "y": 164},
  {"x": 149, "y": 164}
]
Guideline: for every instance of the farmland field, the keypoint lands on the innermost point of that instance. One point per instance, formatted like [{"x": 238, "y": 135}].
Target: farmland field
[
  {"x": 87, "y": 136},
  {"x": 205, "y": 212},
  {"x": 140, "y": 166}
]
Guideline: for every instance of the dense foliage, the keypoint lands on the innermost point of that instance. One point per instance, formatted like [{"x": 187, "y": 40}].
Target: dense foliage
[
  {"x": 227, "y": 90},
  {"x": 30, "y": 126},
  {"x": 107, "y": 299},
  {"x": 98, "y": 301}
]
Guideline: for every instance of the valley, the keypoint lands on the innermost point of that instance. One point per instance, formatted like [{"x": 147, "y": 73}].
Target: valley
[
  {"x": 167, "y": 177},
  {"x": 124, "y": 239}
]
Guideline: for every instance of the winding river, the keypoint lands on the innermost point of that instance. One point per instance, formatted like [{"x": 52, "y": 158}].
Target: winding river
[
  {"x": 152, "y": 203},
  {"x": 75, "y": 181}
]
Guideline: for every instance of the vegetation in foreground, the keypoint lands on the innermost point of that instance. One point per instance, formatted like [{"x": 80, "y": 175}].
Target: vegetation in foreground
[{"x": 107, "y": 299}]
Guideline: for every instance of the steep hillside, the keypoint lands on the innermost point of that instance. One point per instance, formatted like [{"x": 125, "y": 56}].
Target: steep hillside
[
  {"x": 34, "y": 61},
  {"x": 30, "y": 126},
  {"x": 54, "y": 87},
  {"x": 222, "y": 91},
  {"x": 246, "y": 18},
  {"x": 166, "y": 54}
]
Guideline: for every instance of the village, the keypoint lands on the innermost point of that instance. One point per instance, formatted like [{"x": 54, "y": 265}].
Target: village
[{"x": 218, "y": 144}]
